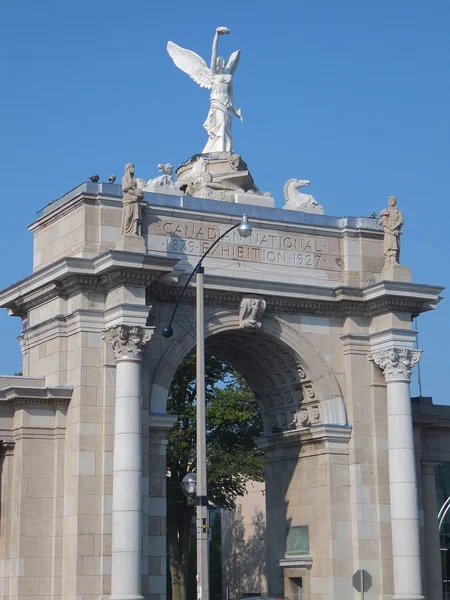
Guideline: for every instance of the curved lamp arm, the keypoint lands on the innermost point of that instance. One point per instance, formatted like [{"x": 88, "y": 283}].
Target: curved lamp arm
[{"x": 245, "y": 230}]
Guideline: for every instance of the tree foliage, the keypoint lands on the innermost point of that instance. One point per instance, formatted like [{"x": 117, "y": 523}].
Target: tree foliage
[{"x": 232, "y": 421}]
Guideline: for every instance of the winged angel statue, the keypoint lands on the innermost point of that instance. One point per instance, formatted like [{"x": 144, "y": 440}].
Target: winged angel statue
[{"x": 219, "y": 79}]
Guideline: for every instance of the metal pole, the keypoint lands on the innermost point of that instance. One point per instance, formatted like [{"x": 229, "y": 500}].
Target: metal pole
[{"x": 202, "y": 494}]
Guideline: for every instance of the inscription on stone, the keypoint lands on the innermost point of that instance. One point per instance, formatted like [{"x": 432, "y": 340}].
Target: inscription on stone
[{"x": 189, "y": 238}]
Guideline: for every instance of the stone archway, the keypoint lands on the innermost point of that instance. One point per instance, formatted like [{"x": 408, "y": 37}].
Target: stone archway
[
  {"x": 301, "y": 406},
  {"x": 283, "y": 368}
]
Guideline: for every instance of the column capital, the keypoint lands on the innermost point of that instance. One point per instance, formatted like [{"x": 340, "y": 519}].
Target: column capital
[
  {"x": 429, "y": 467},
  {"x": 7, "y": 447},
  {"x": 126, "y": 341},
  {"x": 396, "y": 363}
]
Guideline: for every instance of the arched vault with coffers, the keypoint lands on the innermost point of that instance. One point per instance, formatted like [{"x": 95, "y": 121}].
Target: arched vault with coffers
[{"x": 293, "y": 384}]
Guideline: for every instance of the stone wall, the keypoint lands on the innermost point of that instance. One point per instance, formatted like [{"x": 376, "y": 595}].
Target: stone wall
[{"x": 307, "y": 359}]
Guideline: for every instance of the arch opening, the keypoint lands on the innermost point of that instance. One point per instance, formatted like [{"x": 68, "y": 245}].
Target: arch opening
[
  {"x": 281, "y": 386},
  {"x": 293, "y": 384}
]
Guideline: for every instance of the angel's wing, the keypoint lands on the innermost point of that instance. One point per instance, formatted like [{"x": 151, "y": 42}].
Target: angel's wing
[
  {"x": 244, "y": 310},
  {"x": 233, "y": 62},
  {"x": 191, "y": 63},
  {"x": 261, "y": 308}
]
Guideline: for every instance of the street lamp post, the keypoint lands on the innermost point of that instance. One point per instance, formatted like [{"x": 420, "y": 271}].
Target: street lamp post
[{"x": 245, "y": 230}]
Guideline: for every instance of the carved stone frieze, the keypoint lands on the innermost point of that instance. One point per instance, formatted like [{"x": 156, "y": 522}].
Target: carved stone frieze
[
  {"x": 126, "y": 341},
  {"x": 397, "y": 363},
  {"x": 81, "y": 283},
  {"x": 335, "y": 306},
  {"x": 234, "y": 162},
  {"x": 251, "y": 311}
]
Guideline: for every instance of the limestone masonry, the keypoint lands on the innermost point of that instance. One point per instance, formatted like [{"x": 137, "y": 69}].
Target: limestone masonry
[{"x": 305, "y": 309}]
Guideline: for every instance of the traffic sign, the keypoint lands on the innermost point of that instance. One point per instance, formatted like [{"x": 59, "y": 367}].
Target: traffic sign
[{"x": 362, "y": 581}]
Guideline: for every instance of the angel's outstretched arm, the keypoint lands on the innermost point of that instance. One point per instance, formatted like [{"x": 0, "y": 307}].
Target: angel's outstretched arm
[{"x": 215, "y": 48}]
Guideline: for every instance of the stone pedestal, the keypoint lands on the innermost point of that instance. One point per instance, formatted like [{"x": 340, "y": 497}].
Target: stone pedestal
[
  {"x": 218, "y": 176},
  {"x": 396, "y": 273},
  {"x": 254, "y": 199},
  {"x": 131, "y": 243},
  {"x": 126, "y": 552},
  {"x": 396, "y": 363}
]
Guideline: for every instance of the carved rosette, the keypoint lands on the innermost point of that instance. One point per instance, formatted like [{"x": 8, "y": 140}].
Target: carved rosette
[
  {"x": 397, "y": 363},
  {"x": 127, "y": 342}
]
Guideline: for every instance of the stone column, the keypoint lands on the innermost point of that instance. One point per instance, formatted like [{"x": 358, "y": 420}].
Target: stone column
[
  {"x": 396, "y": 363},
  {"x": 432, "y": 544},
  {"x": 127, "y": 343}
]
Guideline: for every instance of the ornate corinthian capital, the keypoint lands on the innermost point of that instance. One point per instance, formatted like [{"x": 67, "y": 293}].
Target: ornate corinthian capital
[
  {"x": 397, "y": 363},
  {"x": 126, "y": 341}
]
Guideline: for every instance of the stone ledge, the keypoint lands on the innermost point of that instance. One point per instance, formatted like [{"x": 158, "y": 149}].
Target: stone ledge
[
  {"x": 297, "y": 561},
  {"x": 161, "y": 422},
  {"x": 18, "y": 395}
]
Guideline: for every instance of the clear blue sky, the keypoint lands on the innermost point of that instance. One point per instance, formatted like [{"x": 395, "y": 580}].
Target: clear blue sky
[{"x": 353, "y": 95}]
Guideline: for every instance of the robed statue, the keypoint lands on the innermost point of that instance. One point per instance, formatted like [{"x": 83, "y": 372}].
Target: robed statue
[
  {"x": 132, "y": 196},
  {"x": 219, "y": 79},
  {"x": 391, "y": 220}
]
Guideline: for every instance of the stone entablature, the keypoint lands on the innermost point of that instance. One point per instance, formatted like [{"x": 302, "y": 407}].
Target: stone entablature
[
  {"x": 86, "y": 222},
  {"x": 297, "y": 298}
]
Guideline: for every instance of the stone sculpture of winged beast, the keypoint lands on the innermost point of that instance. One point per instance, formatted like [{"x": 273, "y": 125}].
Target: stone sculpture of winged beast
[{"x": 219, "y": 79}]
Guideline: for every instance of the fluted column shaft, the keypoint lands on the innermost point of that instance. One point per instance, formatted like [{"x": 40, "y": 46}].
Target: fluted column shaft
[
  {"x": 126, "y": 552},
  {"x": 396, "y": 364}
]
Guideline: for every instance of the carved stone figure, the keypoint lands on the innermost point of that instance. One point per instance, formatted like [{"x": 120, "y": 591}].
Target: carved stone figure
[
  {"x": 200, "y": 184},
  {"x": 310, "y": 392},
  {"x": 304, "y": 418},
  {"x": 251, "y": 311},
  {"x": 163, "y": 183},
  {"x": 391, "y": 221},
  {"x": 295, "y": 200},
  {"x": 132, "y": 196},
  {"x": 315, "y": 414},
  {"x": 233, "y": 162},
  {"x": 219, "y": 79}
]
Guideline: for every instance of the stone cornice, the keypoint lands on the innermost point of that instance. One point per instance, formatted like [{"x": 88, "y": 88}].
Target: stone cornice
[
  {"x": 15, "y": 396},
  {"x": 38, "y": 433},
  {"x": 330, "y": 435},
  {"x": 355, "y": 343},
  {"x": 187, "y": 207},
  {"x": 71, "y": 275},
  {"x": 433, "y": 427},
  {"x": 161, "y": 422},
  {"x": 296, "y": 562},
  {"x": 378, "y": 299}
]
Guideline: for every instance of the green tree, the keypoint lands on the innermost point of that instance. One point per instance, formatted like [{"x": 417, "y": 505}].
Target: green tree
[{"x": 232, "y": 421}]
